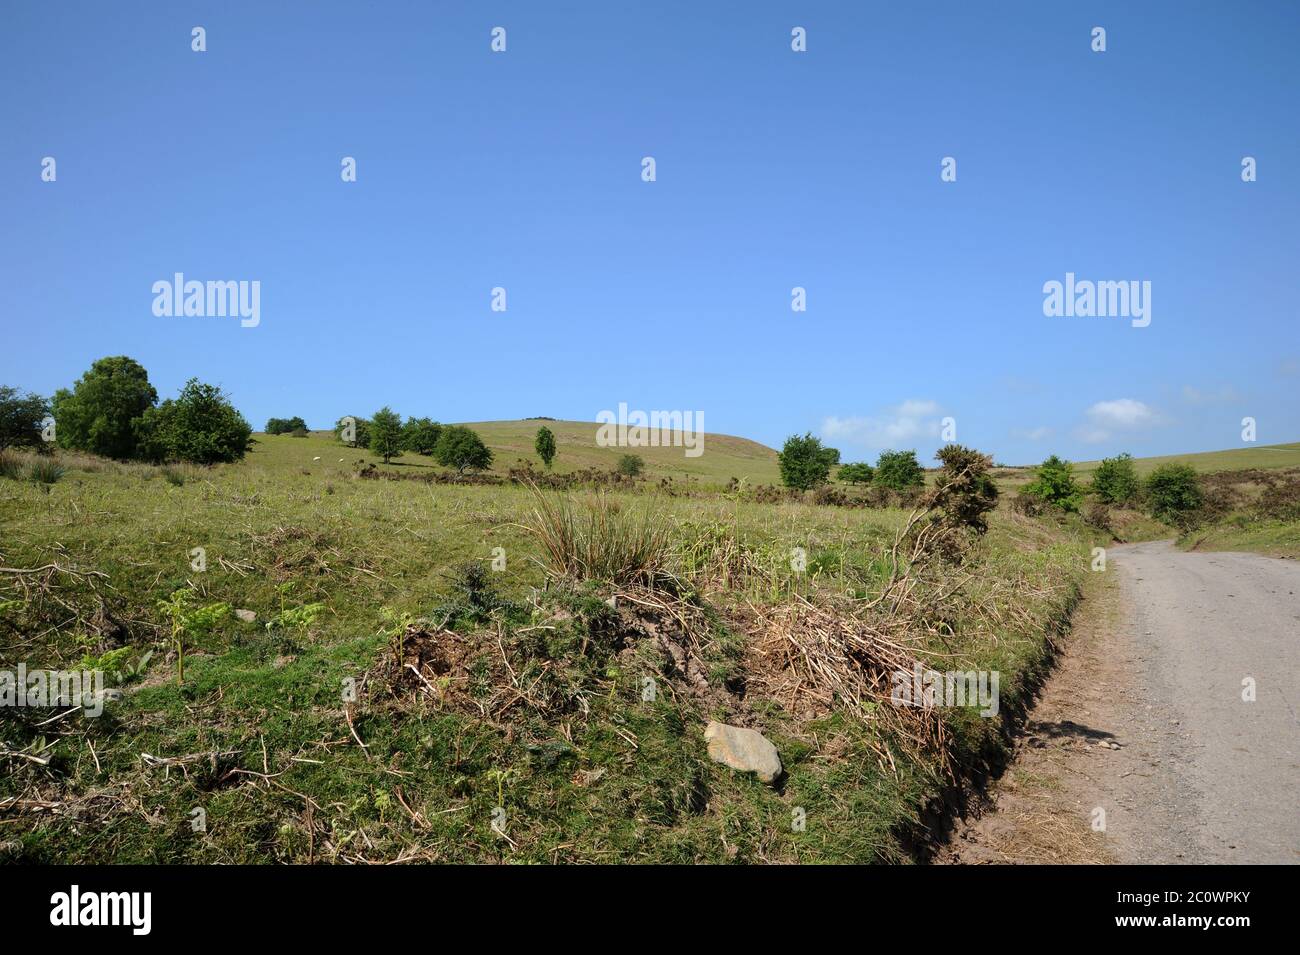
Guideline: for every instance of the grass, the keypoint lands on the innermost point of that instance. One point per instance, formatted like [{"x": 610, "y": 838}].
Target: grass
[{"x": 541, "y": 709}]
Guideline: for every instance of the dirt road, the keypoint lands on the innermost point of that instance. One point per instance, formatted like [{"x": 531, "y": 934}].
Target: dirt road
[{"x": 1145, "y": 746}]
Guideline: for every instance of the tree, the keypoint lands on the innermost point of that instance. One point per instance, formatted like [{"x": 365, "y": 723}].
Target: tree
[
  {"x": 386, "y": 433},
  {"x": 630, "y": 465},
  {"x": 1116, "y": 480},
  {"x": 359, "y": 428},
  {"x": 462, "y": 449},
  {"x": 420, "y": 435},
  {"x": 285, "y": 425},
  {"x": 855, "y": 473},
  {"x": 1055, "y": 485},
  {"x": 20, "y": 419},
  {"x": 99, "y": 414},
  {"x": 545, "y": 446},
  {"x": 200, "y": 425},
  {"x": 1174, "y": 493},
  {"x": 805, "y": 463},
  {"x": 899, "y": 471}
]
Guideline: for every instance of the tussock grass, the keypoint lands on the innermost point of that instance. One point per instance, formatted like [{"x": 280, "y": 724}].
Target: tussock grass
[{"x": 603, "y": 538}]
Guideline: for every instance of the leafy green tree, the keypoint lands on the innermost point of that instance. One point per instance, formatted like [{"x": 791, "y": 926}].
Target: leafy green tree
[
  {"x": 20, "y": 419},
  {"x": 285, "y": 425},
  {"x": 386, "y": 433},
  {"x": 630, "y": 465},
  {"x": 899, "y": 471},
  {"x": 545, "y": 446},
  {"x": 360, "y": 431},
  {"x": 860, "y": 473},
  {"x": 100, "y": 413},
  {"x": 1055, "y": 484},
  {"x": 420, "y": 435},
  {"x": 199, "y": 425},
  {"x": 1174, "y": 493},
  {"x": 805, "y": 462},
  {"x": 1116, "y": 480},
  {"x": 462, "y": 449}
]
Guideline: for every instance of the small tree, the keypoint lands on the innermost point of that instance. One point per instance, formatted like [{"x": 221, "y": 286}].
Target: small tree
[
  {"x": 1055, "y": 485},
  {"x": 964, "y": 493},
  {"x": 899, "y": 471},
  {"x": 101, "y": 412},
  {"x": 20, "y": 419},
  {"x": 462, "y": 449},
  {"x": 359, "y": 428},
  {"x": 860, "y": 473},
  {"x": 1174, "y": 493},
  {"x": 630, "y": 465},
  {"x": 420, "y": 435},
  {"x": 285, "y": 425},
  {"x": 545, "y": 446},
  {"x": 805, "y": 462},
  {"x": 200, "y": 425},
  {"x": 386, "y": 433},
  {"x": 1116, "y": 480}
]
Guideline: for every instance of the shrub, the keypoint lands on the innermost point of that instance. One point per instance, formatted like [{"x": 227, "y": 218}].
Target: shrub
[
  {"x": 200, "y": 425},
  {"x": 964, "y": 493},
  {"x": 855, "y": 473},
  {"x": 461, "y": 448},
  {"x": 545, "y": 446},
  {"x": 1174, "y": 494},
  {"x": 360, "y": 431},
  {"x": 1280, "y": 501},
  {"x": 805, "y": 462},
  {"x": 20, "y": 419},
  {"x": 899, "y": 471},
  {"x": 1097, "y": 514},
  {"x": 101, "y": 412},
  {"x": 1055, "y": 485},
  {"x": 1116, "y": 480},
  {"x": 45, "y": 471},
  {"x": 11, "y": 466},
  {"x": 630, "y": 465},
  {"x": 420, "y": 435},
  {"x": 286, "y": 425},
  {"x": 386, "y": 434}
]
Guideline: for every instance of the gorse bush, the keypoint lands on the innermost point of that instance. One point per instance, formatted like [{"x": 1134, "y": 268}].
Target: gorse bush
[
  {"x": 200, "y": 426},
  {"x": 1055, "y": 485},
  {"x": 1173, "y": 494},
  {"x": 1116, "y": 480},
  {"x": 964, "y": 493},
  {"x": 630, "y": 465},
  {"x": 285, "y": 425}
]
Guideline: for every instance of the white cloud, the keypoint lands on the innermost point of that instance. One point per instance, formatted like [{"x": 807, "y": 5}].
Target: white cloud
[
  {"x": 1032, "y": 434},
  {"x": 914, "y": 418},
  {"x": 1120, "y": 414}
]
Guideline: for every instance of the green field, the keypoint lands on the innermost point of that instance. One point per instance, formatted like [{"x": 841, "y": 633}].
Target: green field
[{"x": 540, "y": 710}]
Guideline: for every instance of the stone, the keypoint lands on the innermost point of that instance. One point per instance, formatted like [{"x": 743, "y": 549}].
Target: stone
[
  {"x": 248, "y": 616},
  {"x": 748, "y": 751}
]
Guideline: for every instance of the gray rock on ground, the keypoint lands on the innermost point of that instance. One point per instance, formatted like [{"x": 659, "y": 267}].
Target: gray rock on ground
[{"x": 748, "y": 751}]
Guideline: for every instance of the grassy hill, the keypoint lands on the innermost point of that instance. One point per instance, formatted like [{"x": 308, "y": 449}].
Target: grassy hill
[{"x": 1208, "y": 462}]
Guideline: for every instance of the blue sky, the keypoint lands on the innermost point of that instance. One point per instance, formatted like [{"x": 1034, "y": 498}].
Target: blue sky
[{"x": 775, "y": 169}]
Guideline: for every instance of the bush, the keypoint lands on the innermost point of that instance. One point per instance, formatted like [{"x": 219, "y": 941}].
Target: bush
[
  {"x": 200, "y": 425},
  {"x": 45, "y": 471},
  {"x": 899, "y": 471},
  {"x": 805, "y": 462},
  {"x": 1055, "y": 485},
  {"x": 855, "y": 473},
  {"x": 11, "y": 466},
  {"x": 630, "y": 465},
  {"x": 286, "y": 426},
  {"x": 1280, "y": 501},
  {"x": 1116, "y": 480},
  {"x": 386, "y": 434},
  {"x": 461, "y": 448},
  {"x": 545, "y": 446},
  {"x": 1097, "y": 514},
  {"x": 601, "y": 541},
  {"x": 20, "y": 419},
  {"x": 964, "y": 493},
  {"x": 1174, "y": 494},
  {"x": 360, "y": 431},
  {"x": 101, "y": 413},
  {"x": 420, "y": 435}
]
